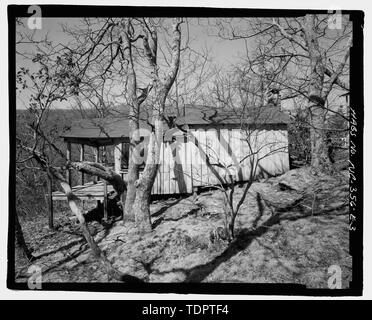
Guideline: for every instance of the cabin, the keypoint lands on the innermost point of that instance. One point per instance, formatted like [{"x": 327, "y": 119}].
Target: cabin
[{"x": 198, "y": 146}]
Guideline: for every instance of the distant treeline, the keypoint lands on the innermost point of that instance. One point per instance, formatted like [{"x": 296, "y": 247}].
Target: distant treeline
[{"x": 31, "y": 183}]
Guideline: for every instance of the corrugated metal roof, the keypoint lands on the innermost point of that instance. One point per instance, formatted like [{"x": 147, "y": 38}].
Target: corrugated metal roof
[
  {"x": 210, "y": 116},
  {"x": 98, "y": 128},
  {"x": 111, "y": 127}
]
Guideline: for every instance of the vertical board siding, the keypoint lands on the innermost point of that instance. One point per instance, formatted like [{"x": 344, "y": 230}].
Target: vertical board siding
[
  {"x": 174, "y": 167},
  {"x": 285, "y": 154},
  {"x": 154, "y": 189},
  {"x": 235, "y": 141},
  {"x": 183, "y": 167},
  {"x": 274, "y": 147},
  {"x": 203, "y": 145},
  {"x": 161, "y": 171},
  {"x": 213, "y": 154},
  {"x": 263, "y": 154},
  {"x": 246, "y": 155},
  {"x": 166, "y": 166},
  {"x": 197, "y": 166},
  {"x": 188, "y": 165},
  {"x": 225, "y": 159}
]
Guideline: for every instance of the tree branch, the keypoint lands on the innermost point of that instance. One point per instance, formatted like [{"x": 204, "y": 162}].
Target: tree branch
[
  {"x": 288, "y": 36},
  {"x": 336, "y": 74}
]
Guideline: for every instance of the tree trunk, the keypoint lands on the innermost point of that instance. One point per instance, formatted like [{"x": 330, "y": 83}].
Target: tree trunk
[
  {"x": 21, "y": 245},
  {"x": 133, "y": 171},
  {"x": 72, "y": 202},
  {"x": 98, "y": 170},
  {"x": 141, "y": 206},
  {"x": 319, "y": 154},
  {"x": 144, "y": 185},
  {"x": 119, "y": 186},
  {"x": 133, "y": 103},
  {"x": 130, "y": 196},
  {"x": 319, "y": 147}
]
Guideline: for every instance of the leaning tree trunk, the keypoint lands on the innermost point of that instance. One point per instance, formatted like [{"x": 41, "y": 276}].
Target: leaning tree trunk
[
  {"x": 131, "y": 85},
  {"x": 141, "y": 206},
  {"x": 72, "y": 202},
  {"x": 319, "y": 148},
  {"x": 133, "y": 166},
  {"x": 144, "y": 185},
  {"x": 132, "y": 177},
  {"x": 21, "y": 245}
]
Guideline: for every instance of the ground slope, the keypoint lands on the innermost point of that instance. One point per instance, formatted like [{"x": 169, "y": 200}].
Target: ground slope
[{"x": 307, "y": 234}]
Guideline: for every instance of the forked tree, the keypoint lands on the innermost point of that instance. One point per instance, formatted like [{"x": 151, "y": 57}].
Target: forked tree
[
  {"x": 125, "y": 48},
  {"x": 310, "y": 55},
  {"x": 239, "y": 96}
]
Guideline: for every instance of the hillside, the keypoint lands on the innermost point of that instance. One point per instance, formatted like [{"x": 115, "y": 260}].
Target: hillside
[
  {"x": 307, "y": 234},
  {"x": 31, "y": 184}
]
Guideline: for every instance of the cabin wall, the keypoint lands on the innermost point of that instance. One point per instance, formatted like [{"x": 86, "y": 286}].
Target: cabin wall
[{"x": 183, "y": 165}]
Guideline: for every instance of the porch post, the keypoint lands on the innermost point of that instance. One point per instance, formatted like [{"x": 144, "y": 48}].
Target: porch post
[
  {"x": 68, "y": 155},
  {"x": 117, "y": 155},
  {"x": 81, "y": 160},
  {"x": 50, "y": 198},
  {"x": 105, "y": 201},
  {"x": 96, "y": 159}
]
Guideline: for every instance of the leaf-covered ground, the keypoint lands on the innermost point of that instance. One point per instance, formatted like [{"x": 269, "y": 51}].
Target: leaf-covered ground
[{"x": 297, "y": 245}]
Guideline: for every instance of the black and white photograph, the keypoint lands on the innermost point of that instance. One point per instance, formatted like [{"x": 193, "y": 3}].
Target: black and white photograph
[{"x": 185, "y": 150}]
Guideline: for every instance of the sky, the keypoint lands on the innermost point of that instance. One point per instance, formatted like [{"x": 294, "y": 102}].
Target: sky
[{"x": 223, "y": 52}]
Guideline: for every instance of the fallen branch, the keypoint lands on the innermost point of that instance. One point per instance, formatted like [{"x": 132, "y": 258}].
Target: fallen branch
[
  {"x": 101, "y": 171},
  {"x": 72, "y": 202},
  {"x": 97, "y": 252}
]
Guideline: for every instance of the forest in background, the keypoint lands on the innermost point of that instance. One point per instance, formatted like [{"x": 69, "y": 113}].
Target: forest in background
[{"x": 145, "y": 62}]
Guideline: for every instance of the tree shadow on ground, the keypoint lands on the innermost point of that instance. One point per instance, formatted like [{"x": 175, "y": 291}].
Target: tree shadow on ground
[
  {"x": 64, "y": 247},
  {"x": 165, "y": 208},
  {"x": 242, "y": 241},
  {"x": 97, "y": 214},
  {"x": 275, "y": 256},
  {"x": 158, "y": 221},
  {"x": 67, "y": 257},
  {"x": 261, "y": 210}
]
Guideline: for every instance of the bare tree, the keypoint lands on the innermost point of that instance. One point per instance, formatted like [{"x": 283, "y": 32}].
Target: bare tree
[
  {"x": 101, "y": 52},
  {"x": 48, "y": 83},
  {"x": 238, "y": 96},
  {"x": 309, "y": 59},
  {"x": 23, "y": 160},
  {"x": 142, "y": 70},
  {"x": 161, "y": 88},
  {"x": 138, "y": 55}
]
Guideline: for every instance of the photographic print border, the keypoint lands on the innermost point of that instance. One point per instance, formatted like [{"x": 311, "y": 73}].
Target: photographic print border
[{"x": 355, "y": 162}]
